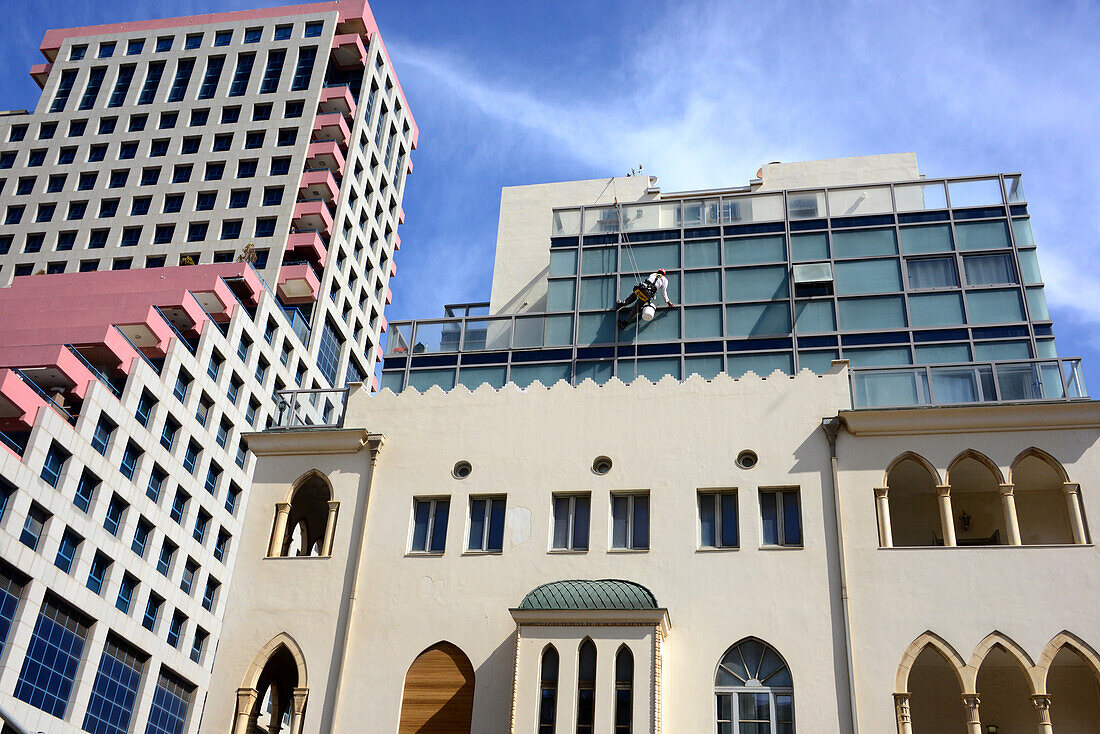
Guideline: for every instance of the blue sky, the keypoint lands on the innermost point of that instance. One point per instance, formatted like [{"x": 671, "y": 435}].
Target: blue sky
[{"x": 702, "y": 93}]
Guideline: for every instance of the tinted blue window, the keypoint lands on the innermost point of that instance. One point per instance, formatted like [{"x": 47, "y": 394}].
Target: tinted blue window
[
  {"x": 282, "y": 32},
  {"x": 213, "y": 75},
  {"x": 102, "y": 435},
  {"x": 328, "y": 355},
  {"x": 114, "y": 515},
  {"x": 253, "y": 35},
  {"x": 66, "y": 550},
  {"x": 152, "y": 609},
  {"x": 55, "y": 461},
  {"x": 222, "y": 38},
  {"x": 114, "y": 691},
  {"x": 49, "y": 668},
  {"x": 98, "y": 571},
  {"x": 84, "y": 490},
  {"x": 303, "y": 73},
  {"x": 171, "y": 700},
  {"x": 314, "y": 29},
  {"x": 193, "y": 41},
  {"x": 125, "y": 593},
  {"x": 10, "y": 592}
]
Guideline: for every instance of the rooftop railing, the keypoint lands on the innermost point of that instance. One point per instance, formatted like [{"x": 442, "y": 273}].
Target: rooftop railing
[
  {"x": 1033, "y": 380},
  {"x": 479, "y": 334},
  {"x": 322, "y": 408}
]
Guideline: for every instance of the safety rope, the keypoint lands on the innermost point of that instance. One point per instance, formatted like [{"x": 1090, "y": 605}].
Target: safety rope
[{"x": 621, "y": 240}]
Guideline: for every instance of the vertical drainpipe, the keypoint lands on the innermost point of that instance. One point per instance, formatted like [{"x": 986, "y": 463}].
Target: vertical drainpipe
[
  {"x": 832, "y": 428},
  {"x": 351, "y": 591}
]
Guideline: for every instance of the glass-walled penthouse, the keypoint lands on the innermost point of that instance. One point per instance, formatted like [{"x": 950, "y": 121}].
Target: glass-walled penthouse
[{"x": 933, "y": 272}]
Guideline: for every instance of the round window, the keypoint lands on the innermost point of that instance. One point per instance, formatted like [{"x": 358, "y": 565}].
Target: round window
[
  {"x": 747, "y": 459},
  {"x": 462, "y": 470},
  {"x": 602, "y": 465}
]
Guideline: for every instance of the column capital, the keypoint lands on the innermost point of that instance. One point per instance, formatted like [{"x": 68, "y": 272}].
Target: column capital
[
  {"x": 901, "y": 708},
  {"x": 300, "y": 695},
  {"x": 333, "y": 505},
  {"x": 1042, "y": 708},
  {"x": 1071, "y": 487},
  {"x": 881, "y": 493},
  {"x": 943, "y": 490},
  {"x": 1006, "y": 489},
  {"x": 282, "y": 508},
  {"x": 246, "y": 698}
]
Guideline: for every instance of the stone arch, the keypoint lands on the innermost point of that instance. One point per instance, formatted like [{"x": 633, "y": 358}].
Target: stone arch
[
  {"x": 438, "y": 695},
  {"x": 303, "y": 521},
  {"x": 1047, "y": 512},
  {"x": 999, "y": 640},
  {"x": 277, "y": 674},
  {"x": 1069, "y": 640},
  {"x": 978, "y": 512},
  {"x": 1043, "y": 456},
  {"x": 915, "y": 457},
  {"x": 977, "y": 456},
  {"x": 941, "y": 646},
  {"x": 1069, "y": 672}
]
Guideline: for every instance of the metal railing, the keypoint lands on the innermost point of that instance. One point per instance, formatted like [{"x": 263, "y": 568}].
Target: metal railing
[
  {"x": 141, "y": 353},
  {"x": 116, "y": 390},
  {"x": 46, "y": 396},
  {"x": 298, "y": 323},
  {"x": 318, "y": 408},
  {"x": 191, "y": 347},
  {"x": 1017, "y": 381},
  {"x": 480, "y": 333}
]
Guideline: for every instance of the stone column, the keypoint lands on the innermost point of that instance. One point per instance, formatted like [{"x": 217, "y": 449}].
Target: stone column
[
  {"x": 1076, "y": 518},
  {"x": 947, "y": 518},
  {"x": 1042, "y": 708},
  {"x": 299, "y": 710},
  {"x": 1012, "y": 523},
  {"x": 282, "y": 512},
  {"x": 901, "y": 708},
  {"x": 973, "y": 716},
  {"x": 882, "y": 502},
  {"x": 330, "y": 528},
  {"x": 246, "y": 701}
]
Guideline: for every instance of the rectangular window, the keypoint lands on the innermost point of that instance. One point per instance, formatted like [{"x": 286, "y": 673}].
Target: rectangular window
[
  {"x": 246, "y": 168},
  {"x": 280, "y": 166},
  {"x": 223, "y": 38},
  {"x": 125, "y": 593},
  {"x": 175, "y": 630},
  {"x": 171, "y": 700},
  {"x": 164, "y": 43},
  {"x": 933, "y": 272},
  {"x": 429, "y": 533},
  {"x": 66, "y": 551},
  {"x": 130, "y": 459},
  {"x": 108, "y": 208},
  {"x": 55, "y": 462},
  {"x": 168, "y": 434},
  {"x": 102, "y": 434},
  {"x": 313, "y": 29},
  {"x": 85, "y": 489},
  {"x": 209, "y": 86},
  {"x": 571, "y": 520},
  {"x": 47, "y": 130},
  {"x": 630, "y": 521},
  {"x": 191, "y": 457},
  {"x": 486, "y": 524},
  {"x": 152, "y": 83},
  {"x": 179, "y": 506},
  {"x": 254, "y": 139},
  {"x": 77, "y": 128},
  {"x": 205, "y": 201},
  {"x": 164, "y": 561},
  {"x": 210, "y": 594},
  {"x": 273, "y": 72},
  {"x": 98, "y": 572},
  {"x": 91, "y": 89},
  {"x": 106, "y": 50},
  {"x": 328, "y": 352},
  {"x": 202, "y": 521},
  {"x": 141, "y": 537},
  {"x": 781, "y": 517},
  {"x": 52, "y": 659},
  {"x": 287, "y": 136},
  {"x": 144, "y": 407},
  {"x": 33, "y": 526},
  {"x": 138, "y": 122},
  {"x": 989, "y": 269},
  {"x": 156, "y": 483},
  {"x": 181, "y": 173},
  {"x": 718, "y": 519},
  {"x": 213, "y": 474},
  {"x": 273, "y": 196},
  {"x": 113, "y": 518},
  {"x": 197, "y": 644},
  {"x": 190, "y": 568},
  {"x": 282, "y": 32},
  {"x": 199, "y": 117},
  {"x": 303, "y": 73},
  {"x": 231, "y": 498},
  {"x": 64, "y": 90},
  {"x": 222, "y": 142},
  {"x": 152, "y": 611},
  {"x": 261, "y": 112},
  {"x": 238, "y": 198},
  {"x": 122, "y": 85},
  {"x": 231, "y": 230},
  {"x": 184, "y": 69},
  {"x": 214, "y": 171},
  {"x": 221, "y": 545},
  {"x": 241, "y": 75}
]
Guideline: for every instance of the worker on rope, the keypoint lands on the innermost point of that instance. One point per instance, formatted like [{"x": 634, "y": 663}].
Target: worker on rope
[{"x": 641, "y": 299}]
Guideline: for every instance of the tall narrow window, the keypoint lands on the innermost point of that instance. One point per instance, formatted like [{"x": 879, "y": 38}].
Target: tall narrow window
[
  {"x": 630, "y": 521},
  {"x": 571, "y": 515},
  {"x": 171, "y": 699},
  {"x": 586, "y": 688},
  {"x": 49, "y": 668},
  {"x": 91, "y": 90},
  {"x": 33, "y": 526},
  {"x": 430, "y": 525},
  {"x": 780, "y": 517},
  {"x": 486, "y": 524},
  {"x": 548, "y": 690},
  {"x": 54, "y": 464},
  {"x": 64, "y": 89},
  {"x": 11, "y": 588},
  {"x": 718, "y": 519},
  {"x": 183, "y": 76},
  {"x": 274, "y": 71},
  {"x": 624, "y": 691},
  {"x": 303, "y": 73},
  {"x": 66, "y": 551},
  {"x": 242, "y": 74},
  {"x": 152, "y": 83},
  {"x": 122, "y": 85},
  {"x": 213, "y": 75}
]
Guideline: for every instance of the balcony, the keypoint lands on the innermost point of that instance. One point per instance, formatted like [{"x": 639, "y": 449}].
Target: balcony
[
  {"x": 479, "y": 334},
  {"x": 319, "y": 184},
  {"x": 1023, "y": 381},
  {"x": 348, "y": 50},
  {"x": 40, "y": 73},
  {"x": 309, "y": 408},
  {"x": 337, "y": 98},
  {"x": 333, "y": 127},
  {"x": 313, "y": 214},
  {"x": 19, "y": 402},
  {"x": 307, "y": 245},
  {"x": 298, "y": 283},
  {"x": 326, "y": 154}
]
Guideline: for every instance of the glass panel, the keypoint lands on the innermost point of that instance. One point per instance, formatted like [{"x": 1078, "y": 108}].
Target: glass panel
[
  {"x": 436, "y": 337},
  {"x": 1045, "y": 348},
  {"x": 561, "y": 295},
  {"x": 806, "y": 247},
  {"x": 651, "y": 369},
  {"x": 762, "y": 364},
  {"x": 567, "y": 222},
  {"x": 817, "y": 362},
  {"x": 665, "y": 326},
  {"x": 706, "y": 367},
  {"x": 703, "y": 286},
  {"x": 858, "y": 202},
  {"x": 792, "y": 535},
  {"x": 421, "y": 380},
  {"x": 620, "y": 519},
  {"x": 1075, "y": 380},
  {"x": 806, "y": 205},
  {"x": 599, "y": 260},
  {"x": 942, "y": 353},
  {"x": 814, "y": 317},
  {"x": 1018, "y": 381},
  {"x": 640, "y": 523},
  {"x": 896, "y": 387},
  {"x": 936, "y": 309},
  {"x": 394, "y": 381},
  {"x": 559, "y": 330},
  {"x": 867, "y": 276},
  {"x": 582, "y": 506},
  {"x": 1051, "y": 377},
  {"x": 981, "y": 235},
  {"x": 398, "y": 339},
  {"x": 439, "y": 526},
  {"x": 477, "y": 524},
  {"x": 917, "y": 197},
  {"x": 601, "y": 220},
  {"x": 548, "y": 374},
  {"x": 1037, "y": 304},
  {"x": 561, "y": 522},
  {"x": 758, "y": 319},
  {"x": 698, "y": 213},
  {"x": 597, "y": 293},
  {"x": 746, "y": 209},
  {"x": 1021, "y": 230},
  {"x": 648, "y": 258},
  {"x": 989, "y": 269},
  {"x": 871, "y": 313},
  {"x": 1015, "y": 190},
  {"x": 878, "y": 357},
  {"x": 596, "y": 328},
  {"x": 955, "y": 385},
  {"x": 707, "y": 526},
  {"x": 563, "y": 262},
  {"x": 702, "y": 254},
  {"x": 650, "y": 216},
  {"x": 528, "y": 332},
  {"x": 994, "y": 307},
  {"x": 752, "y": 250},
  {"x": 985, "y": 192},
  {"x": 421, "y": 513},
  {"x": 930, "y": 238},
  {"x": 996, "y": 351},
  {"x": 627, "y": 283},
  {"x": 471, "y": 377},
  {"x": 933, "y": 272},
  {"x": 703, "y": 322},
  {"x": 864, "y": 243},
  {"x": 756, "y": 284},
  {"x": 490, "y": 334},
  {"x": 598, "y": 372},
  {"x": 1029, "y": 267}
]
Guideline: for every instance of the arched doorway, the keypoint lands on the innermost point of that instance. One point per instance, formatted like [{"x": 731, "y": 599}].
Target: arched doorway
[
  {"x": 1040, "y": 497},
  {"x": 439, "y": 693},
  {"x": 935, "y": 695},
  {"x": 1005, "y": 693},
  {"x": 1074, "y": 693},
  {"x": 914, "y": 507},
  {"x": 272, "y": 699},
  {"x": 976, "y": 502}
]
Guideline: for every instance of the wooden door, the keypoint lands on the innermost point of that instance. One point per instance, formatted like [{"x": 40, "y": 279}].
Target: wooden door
[{"x": 439, "y": 693}]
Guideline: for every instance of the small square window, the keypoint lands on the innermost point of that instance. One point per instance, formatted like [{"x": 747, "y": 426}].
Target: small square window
[
  {"x": 150, "y": 176},
  {"x": 486, "y": 524},
  {"x": 162, "y": 235},
  {"x": 154, "y": 261},
  {"x": 55, "y": 268},
  {"x": 34, "y": 243},
  {"x": 140, "y": 206},
  {"x": 168, "y": 120},
  {"x": 108, "y": 208},
  {"x": 89, "y": 266},
  {"x": 214, "y": 171},
  {"x": 127, "y": 150},
  {"x": 138, "y": 122},
  {"x": 17, "y": 133},
  {"x": 173, "y": 203},
  {"x": 231, "y": 230},
  {"x": 273, "y": 195},
  {"x": 193, "y": 40},
  {"x": 47, "y": 130},
  {"x": 199, "y": 117},
  {"x": 97, "y": 153},
  {"x": 571, "y": 521},
  {"x": 261, "y": 112},
  {"x": 314, "y": 29},
  {"x": 238, "y": 198},
  {"x": 14, "y": 215},
  {"x": 282, "y": 32},
  {"x": 190, "y": 145},
  {"x": 280, "y": 166},
  {"x": 429, "y": 525},
  {"x": 76, "y": 210},
  {"x": 45, "y": 212},
  {"x": 253, "y": 35},
  {"x": 135, "y": 46},
  {"x": 181, "y": 173},
  {"x": 56, "y": 183},
  {"x": 118, "y": 179},
  {"x": 25, "y": 269},
  {"x": 86, "y": 182},
  {"x": 231, "y": 115},
  {"x": 294, "y": 108},
  {"x": 164, "y": 43},
  {"x": 223, "y": 38},
  {"x": 76, "y": 53},
  {"x": 65, "y": 241},
  {"x": 265, "y": 227},
  {"x": 287, "y": 136},
  {"x": 121, "y": 263},
  {"x": 25, "y": 185},
  {"x": 206, "y": 200},
  {"x": 254, "y": 139},
  {"x": 225, "y": 256},
  {"x": 196, "y": 231},
  {"x": 107, "y": 125},
  {"x": 33, "y": 526},
  {"x": 7, "y": 159},
  {"x": 247, "y": 168},
  {"x": 106, "y": 50},
  {"x": 77, "y": 128},
  {"x": 36, "y": 158},
  {"x": 260, "y": 263},
  {"x": 222, "y": 142},
  {"x": 97, "y": 239},
  {"x": 5, "y": 243}
]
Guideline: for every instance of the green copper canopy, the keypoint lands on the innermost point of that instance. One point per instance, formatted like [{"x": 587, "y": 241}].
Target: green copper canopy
[{"x": 581, "y": 594}]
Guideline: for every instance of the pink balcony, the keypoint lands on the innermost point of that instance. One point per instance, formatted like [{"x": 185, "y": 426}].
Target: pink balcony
[
  {"x": 348, "y": 50},
  {"x": 41, "y": 72},
  {"x": 389, "y": 295},
  {"x": 326, "y": 154},
  {"x": 19, "y": 403},
  {"x": 307, "y": 246},
  {"x": 396, "y": 242},
  {"x": 374, "y": 383},
  {"x": 337, "y": 99},
  {"x": 312, "y": 215},
  {"x": 319, "y": 184},
  {"x": 383, "y": 324},
  {"x": 332, "y": 126},
  {"x": 298, "y": 284}
]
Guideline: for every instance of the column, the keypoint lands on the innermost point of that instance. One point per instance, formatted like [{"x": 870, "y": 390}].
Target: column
[
  {"x": 1042, "y": 708},
  {"x": 882, "y": 502},
  {"x": 246, "y": 701},
  {"x": 282, "y": 512},
  {"x": 1012, "y": 523},
  {"x": 901, "y": 708},
  {"x": 947, "y": 519},
  {"x": 1076, "y": 519},
  {"x": 973, "y": 717},
  {"x": 299, "y": 699},
  {"x": 330, "y": 528}
]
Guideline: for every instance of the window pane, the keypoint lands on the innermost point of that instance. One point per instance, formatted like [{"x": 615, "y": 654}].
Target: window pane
[
  {"x": 703, "y": 322},
  {"x": 477, "y": 524},
  {"x": 756, "y": 284},
  {"x": 762, "y": 364},
  {"x": 560, "y": 295},
  {"x": 867, "y": 276},
  {"x": 989, "y": 270},
  {"x": 729, "y": 519},
  {"x": 707, "y": 528},
  {"x": 935, "y": 272},
  {"x": 871, "y": 313},
  {"x": 864, "y": 243},
  {"x": 652, "y": 257},
  {"x": 496, "y": 525},
  {"x": 981, "y": 235},
  {"x": 472, "y": 377},
  {"x": 702, "y": 254},
  {"x": 975, "y": 193},
  {"x": 706, "y": 367},
  {"x": 814, "y": 317},
  {"x": 1029, "y": 264},
  {"x": 994, "y": 307},
  {"x": 439, "y": 527},
  {"x": 931, "y": 238},
  {"x": 761, "y": 319},
  {"x": 942, "y": 353},
  {"x": 936, "y": 309},
  {"x": 806, "y": 247},
  {"x": 597, "y": 293},
  {"x": 769, "y": 517},
  {"x": 563, "y": 262},
  {"x": 641, "y": 521},
  {"x": 792, "y": 524},
  {"x": 596, "y": 328},
  {"x": 580, "y": 523},
  {"x": 1021, "y": 230},
  {"x": 817, "y": 362},
  {"x": 878, "y": 357},
  {"x": 420, "y": 525},
  {"x": 915, "y": 197},
  {"x": 994, "y": 351},
  {"x": 421, "y": 380},
  {"x": 599, "y": 260},
  {"x": 548, "y": 374},
  {"x": 561, "y": 522},
  {"x": 620, "y": 517},
  {"x": 752, "y": 250},
  {"x": 1037, "y": 304},
  {"x": 703, "y": 286}
]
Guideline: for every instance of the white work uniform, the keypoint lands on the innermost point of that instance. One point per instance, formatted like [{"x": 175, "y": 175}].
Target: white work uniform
[{"x": 661, "y": 282}]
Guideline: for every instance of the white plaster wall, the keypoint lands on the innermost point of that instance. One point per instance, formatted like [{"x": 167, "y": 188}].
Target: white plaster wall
[{"x": 865, "y": 169}]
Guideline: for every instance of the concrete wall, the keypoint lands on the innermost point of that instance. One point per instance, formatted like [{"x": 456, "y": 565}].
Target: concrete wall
[{"x": 866, "y": 169}]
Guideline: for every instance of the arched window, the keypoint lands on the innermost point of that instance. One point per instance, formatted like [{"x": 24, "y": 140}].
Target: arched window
[
  {"x": 624, "y": 691},
  {"x": 753, "y": 691},
  {"x": 548, "y": 690},
  {"x": 277, "y": 688},
  {"x": 302, "y": 525},
  {"x": 586, "y": 688}
]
